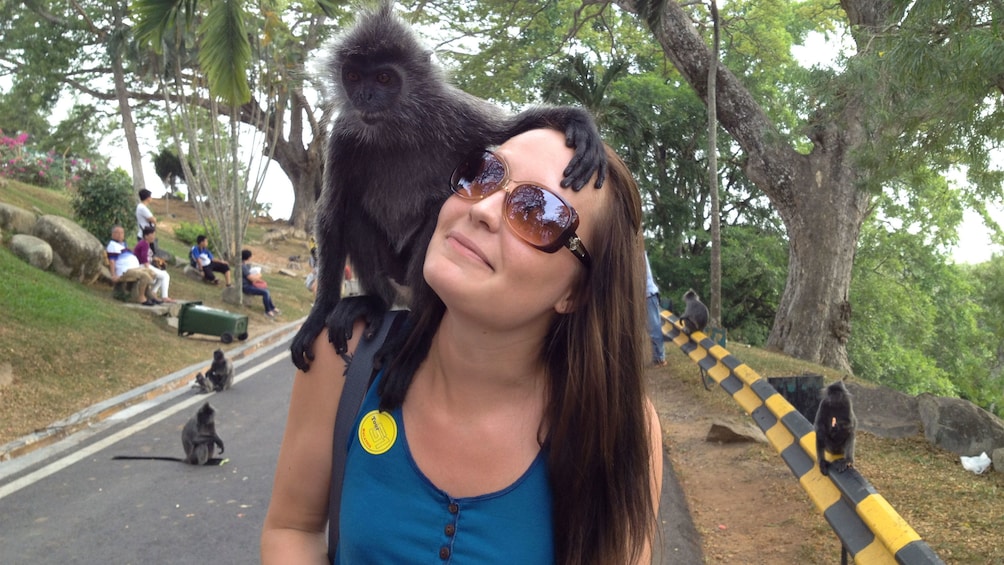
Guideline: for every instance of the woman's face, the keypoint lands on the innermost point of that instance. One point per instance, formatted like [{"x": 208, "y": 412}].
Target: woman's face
[{"x": 476, "y": 263}]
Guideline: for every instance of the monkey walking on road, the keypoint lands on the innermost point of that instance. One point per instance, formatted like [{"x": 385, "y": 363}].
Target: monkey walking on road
[
  {"x": 835, "y": 424},
  {"x": 401, "y": 130},
  {"x": 198, "y": 438}
]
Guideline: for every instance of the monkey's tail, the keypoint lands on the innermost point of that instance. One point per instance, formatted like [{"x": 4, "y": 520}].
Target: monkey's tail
[{"x": 149, "y": 457}]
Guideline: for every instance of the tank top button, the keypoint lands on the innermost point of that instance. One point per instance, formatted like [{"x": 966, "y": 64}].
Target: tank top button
[
  {"x": 454, "y": 508},
  {"x": 450, "y": 530},
  {"x": 444, "y": 553}
]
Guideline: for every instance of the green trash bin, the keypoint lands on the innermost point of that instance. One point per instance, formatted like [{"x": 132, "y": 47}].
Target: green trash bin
[
  {"x": 802, "y": 391},
  {"x": 194, "y": 318}
]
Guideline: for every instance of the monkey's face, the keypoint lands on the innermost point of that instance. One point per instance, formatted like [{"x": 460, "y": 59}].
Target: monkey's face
[
  {"x": 372, "y": 87},
  {"x": 476, "y": 261}
]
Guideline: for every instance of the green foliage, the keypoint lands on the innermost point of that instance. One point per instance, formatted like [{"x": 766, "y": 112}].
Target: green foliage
[
  {"x": 168, "y": 166},
  {"x": 104, "y": 199},
  {"x": 187, "y": 232}
]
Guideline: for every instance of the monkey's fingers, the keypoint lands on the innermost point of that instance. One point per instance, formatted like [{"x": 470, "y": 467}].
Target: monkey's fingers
[{"x": 589, "y": 156}]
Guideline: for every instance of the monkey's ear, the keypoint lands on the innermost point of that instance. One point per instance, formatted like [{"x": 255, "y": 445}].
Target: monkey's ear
[{"x": 428, "y": 54}]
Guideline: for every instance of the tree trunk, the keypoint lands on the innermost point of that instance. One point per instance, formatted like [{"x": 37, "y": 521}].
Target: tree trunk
[
  {"x": 128, "y": 124},
  {"x": 304, "y": 166},
  {"x": 816, "y": 195}
]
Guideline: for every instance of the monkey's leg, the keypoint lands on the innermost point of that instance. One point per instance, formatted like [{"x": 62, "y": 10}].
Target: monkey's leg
[
  {"x": 347, "y": 311},
  {"x": 199, "y": 455}
]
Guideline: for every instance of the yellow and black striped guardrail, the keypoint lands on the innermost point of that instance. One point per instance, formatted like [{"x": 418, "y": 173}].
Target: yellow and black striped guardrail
[{"x": 867, "y": 525}]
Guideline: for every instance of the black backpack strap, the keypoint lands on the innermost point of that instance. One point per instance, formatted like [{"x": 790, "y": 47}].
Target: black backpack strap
[{"x": 358, "y": 377}]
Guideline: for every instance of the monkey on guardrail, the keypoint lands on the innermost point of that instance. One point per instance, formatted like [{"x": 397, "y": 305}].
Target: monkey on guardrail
[{"x": 835, "y": 424}]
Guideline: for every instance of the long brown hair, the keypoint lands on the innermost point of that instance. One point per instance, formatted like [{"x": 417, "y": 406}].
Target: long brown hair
[{"x": 599, "y": 456}]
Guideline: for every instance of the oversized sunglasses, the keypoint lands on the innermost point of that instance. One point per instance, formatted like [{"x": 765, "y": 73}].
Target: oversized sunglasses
[{"x": 535, "y": 214}]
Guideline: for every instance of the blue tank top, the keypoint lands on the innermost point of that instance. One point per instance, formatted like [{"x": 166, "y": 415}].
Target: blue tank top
[{"x": 391, "y": 513}]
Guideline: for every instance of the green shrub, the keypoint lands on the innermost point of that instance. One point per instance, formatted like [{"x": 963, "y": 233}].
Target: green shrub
[
  {"x": 105, "y": 199},
  {"x": 188, "y": 231}
]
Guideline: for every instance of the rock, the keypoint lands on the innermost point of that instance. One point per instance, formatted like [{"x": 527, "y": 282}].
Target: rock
[
  {"x": 725, "y": 432},
  {"x": 289, "y": 273},
  {"x": 192, "y": 273},
  {"x": 997, "y": 457},
  {"x": 885, "y": 412},
  {"x": 76, "y": 254},
  {"x": 959, "y": 426},
  {"x": 36, "y": 252},
  {"x": 16, "y": 220},
  {"x": 232, "y": 295}
]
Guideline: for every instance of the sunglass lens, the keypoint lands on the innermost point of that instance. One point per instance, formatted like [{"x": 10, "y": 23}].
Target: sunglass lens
[
  {"x": 478, "y": 176},
  {"x": 538, "y": 216}
]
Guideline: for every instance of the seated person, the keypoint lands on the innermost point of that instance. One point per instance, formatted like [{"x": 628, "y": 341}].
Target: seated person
[
  {"x": 202, "y": 258},
  {"x": 144, "y": 252},
  {"x": 250, "y": 276},
  {"x": 124, "y": 267}
]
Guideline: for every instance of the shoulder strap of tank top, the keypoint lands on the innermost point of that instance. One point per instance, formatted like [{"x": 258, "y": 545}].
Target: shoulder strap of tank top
[{"x": 358, "y": 378}]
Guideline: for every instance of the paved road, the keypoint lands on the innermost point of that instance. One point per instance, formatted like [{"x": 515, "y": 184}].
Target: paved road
[{"x": 71, "y": 503}]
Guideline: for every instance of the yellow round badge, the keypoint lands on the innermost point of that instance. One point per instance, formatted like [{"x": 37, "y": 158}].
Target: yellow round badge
[{"x": 377, "y": 432}]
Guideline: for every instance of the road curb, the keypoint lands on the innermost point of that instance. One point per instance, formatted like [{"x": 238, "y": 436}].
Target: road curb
[{"x": 96, "y": 413}]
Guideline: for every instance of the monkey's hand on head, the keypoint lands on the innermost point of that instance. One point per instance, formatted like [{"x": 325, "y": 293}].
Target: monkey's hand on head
[
  {"x": 581, "y": 134},
  {"x": 347, "y": 311}
]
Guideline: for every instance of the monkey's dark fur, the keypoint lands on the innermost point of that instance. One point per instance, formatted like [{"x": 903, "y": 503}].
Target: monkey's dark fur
[
  {"x": 695, "y": 314},
  {"x": 221, "y": 372},
  {"x": 400, "y": 132},
  {"x": 219, "y": 377},
  {"x": 198, "y": 438},
  {"x": 835, "y": 424}
]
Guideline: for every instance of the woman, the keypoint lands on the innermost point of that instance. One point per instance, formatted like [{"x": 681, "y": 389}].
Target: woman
[
  {"x": 144, "y": 252},
  {"x": 251, "y": 286},
  {"x": 525, "y": 435}
]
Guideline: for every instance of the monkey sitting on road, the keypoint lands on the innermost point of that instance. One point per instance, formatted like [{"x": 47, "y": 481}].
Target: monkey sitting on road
[
  {"x": 401, "y": 130},
  {"x": 198, "y": 438},
  {"x": 695, "y": 314},
  {"x": 219, "y": 377},
  {"x": 835, "y": 424},
  {"x": 221, "y": 373}
]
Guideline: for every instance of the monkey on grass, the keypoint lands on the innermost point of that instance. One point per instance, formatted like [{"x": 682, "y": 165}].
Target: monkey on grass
[
  {"x": 401, "y": 130},
  {"x": 695, "y": 314},
  {"x": 198, "y": 438},
  {"x": 835, "y": 425}
]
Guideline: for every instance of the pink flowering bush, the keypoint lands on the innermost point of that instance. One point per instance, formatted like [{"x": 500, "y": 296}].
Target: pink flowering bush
[{"x": 21, "y": 162}]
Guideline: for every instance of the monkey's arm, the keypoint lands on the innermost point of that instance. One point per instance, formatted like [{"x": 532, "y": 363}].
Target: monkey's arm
[
  {"x": 821, "y": 439},
  {"x": 298, "y": 511},
  {"x": 580, "y": 133},
  {"x": 330, "y": 271}
]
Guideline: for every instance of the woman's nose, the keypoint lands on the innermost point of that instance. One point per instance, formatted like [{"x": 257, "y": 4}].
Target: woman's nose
[{"x": 488, "y": 211}]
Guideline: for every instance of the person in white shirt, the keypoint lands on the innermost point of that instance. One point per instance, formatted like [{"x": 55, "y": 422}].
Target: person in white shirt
[
  {"x": 124, "y": 267},
  {"x": 144, "y": 217}
]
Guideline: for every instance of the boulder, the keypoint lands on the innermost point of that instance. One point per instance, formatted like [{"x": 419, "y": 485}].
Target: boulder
[
  {"x": 76, "y": 254},
  {"x": 997, "y": 458},
  {"x": 192, "y": 273},
  {"x": 16, "y": 220},
  {"x": 232, "y": 295},
  {"x": 959, "y": 426},
  {"x": 726, "y": 432},
  {"x": 36, "y": 252},
  {"x": 885, "y": 412}
]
